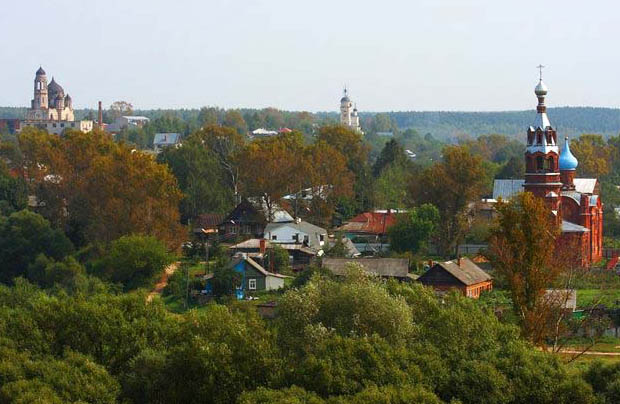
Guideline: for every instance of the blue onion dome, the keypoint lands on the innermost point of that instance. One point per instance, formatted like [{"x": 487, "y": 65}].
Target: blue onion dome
[{"x": 567, "y": 160}]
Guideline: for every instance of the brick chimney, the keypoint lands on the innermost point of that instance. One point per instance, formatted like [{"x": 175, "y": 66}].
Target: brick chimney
[{"x": 263, "y": 245}]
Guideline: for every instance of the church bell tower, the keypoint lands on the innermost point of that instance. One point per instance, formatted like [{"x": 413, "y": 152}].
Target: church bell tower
[
  {"x": 40, "y": 100},
  {"x": 542, "y": 173}
]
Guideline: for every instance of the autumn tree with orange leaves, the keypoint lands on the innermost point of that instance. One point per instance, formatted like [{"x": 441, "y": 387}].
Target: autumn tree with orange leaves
[
  {"x": 525, "y": 253},
  {"x": 274, "y": 167},
  {"x": 99, "y": 190}
]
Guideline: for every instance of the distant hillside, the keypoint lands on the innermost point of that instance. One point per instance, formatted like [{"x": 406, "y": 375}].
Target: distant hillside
[{"x": 569, "y": 121}]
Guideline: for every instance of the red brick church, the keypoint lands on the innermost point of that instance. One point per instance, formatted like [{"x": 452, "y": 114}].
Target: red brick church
[{"x": 549, "y": 174}]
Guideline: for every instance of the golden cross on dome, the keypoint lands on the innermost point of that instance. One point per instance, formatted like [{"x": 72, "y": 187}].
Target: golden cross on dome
[{"x": 540, "y": 67}]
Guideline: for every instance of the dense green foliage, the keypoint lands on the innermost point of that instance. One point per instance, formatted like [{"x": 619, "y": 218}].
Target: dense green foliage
[
  {"x": 353, "y": 340},
  {"x": 24, "y": 236},
  {"x": 133, "y": 261},
  {"x": 413, "y": 229}
]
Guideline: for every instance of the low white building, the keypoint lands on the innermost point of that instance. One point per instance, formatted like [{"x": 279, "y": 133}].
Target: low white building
[
  {"x": 58, "y": 127},
  {"x": 299, "y": 232},
  {"x": 126, "y": 122}
]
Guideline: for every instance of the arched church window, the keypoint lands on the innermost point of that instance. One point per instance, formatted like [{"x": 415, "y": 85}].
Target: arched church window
[{"x": 539, "y": 163}]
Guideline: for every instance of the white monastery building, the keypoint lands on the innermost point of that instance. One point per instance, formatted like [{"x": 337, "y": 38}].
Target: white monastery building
[
  {"x": 348, "y": 113},
  {"x": 51, "y": 109}
]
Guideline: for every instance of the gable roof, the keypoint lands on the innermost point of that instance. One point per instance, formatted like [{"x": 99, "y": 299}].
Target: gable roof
[
  {"x": 208, "y": 220},
  {"x": 467, "y": 272},
  {"x": 388, "y": 267},
  {"x": 245, "y": 212},
  {"x": 256, "y": 266},
  {"x": 163, "y": 139},
  {"x": 505, "y": 189},
  {"x": 370, "y": 222},
  {"x": 585, "y": 185},
  {"x": 565, "y": 298},
  {"x": 302, "y": 226}
]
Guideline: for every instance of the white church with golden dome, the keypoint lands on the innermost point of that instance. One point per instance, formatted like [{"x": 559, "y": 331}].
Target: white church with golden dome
[{"x": 51, "y": 109}]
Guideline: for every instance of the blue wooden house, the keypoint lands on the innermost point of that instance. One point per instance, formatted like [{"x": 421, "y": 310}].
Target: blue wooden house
[{"x": 254, "y": 278}]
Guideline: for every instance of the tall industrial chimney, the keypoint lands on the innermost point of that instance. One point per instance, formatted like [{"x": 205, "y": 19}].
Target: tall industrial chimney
[{"x": 100, "y": 116}]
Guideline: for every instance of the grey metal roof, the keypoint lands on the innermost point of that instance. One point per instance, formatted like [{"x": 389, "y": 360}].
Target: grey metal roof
[
  {"x": 565, "y": 298},
  {"x": 505, "y": 189},
  {"x": 574, "y": 195},
  {"x": 163, "y": 139},
  {"x": 569, "y": 227},
  {"x": 389, "y": 267},
  {"x": 585, "y": 185},
  {"x": 302, "y": 226}
]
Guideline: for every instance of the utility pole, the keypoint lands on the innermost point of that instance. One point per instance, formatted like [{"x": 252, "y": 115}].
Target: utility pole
[
  {"x": 207, "y": 255},
  {"x": 187, "y": 287}
]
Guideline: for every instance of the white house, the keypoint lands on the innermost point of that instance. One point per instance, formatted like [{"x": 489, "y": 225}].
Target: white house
[{"x": 296, "y": 233}]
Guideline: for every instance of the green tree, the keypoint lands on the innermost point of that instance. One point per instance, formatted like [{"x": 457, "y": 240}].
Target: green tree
[
  {"x": 391, "y": 154},
  {"x": 277, "y": 260},
  {"x": 23, "y": 236},
  {"x": 134, "y": 261},
  {"x": 13, "y": 192},
  {"x": 201, "y": 178},
  {"x": 451, "y": 185},
  {"x": 593, "y": 154},
  {"x": 234, "y": 119},
  {"x": 225, "y": 279},
  {"x": 412, "y": 230}
]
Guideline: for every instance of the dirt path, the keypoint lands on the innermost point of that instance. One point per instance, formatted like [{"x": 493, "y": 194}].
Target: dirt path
[
  {"x": 574, "y": 352},
  {"x": 163, "y": 281}
]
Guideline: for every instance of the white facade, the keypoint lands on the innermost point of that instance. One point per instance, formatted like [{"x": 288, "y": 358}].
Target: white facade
[
  {"x": 273, "y": 282},
  {"x": 58, "y": 127},
  {"x": 348, "y": 114},
  {"x": 296, "y": 233},
  {"x": 51, "y": 109}
]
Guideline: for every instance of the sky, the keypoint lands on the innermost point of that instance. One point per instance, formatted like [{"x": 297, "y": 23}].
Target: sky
[{"x": 459, "y": 55}]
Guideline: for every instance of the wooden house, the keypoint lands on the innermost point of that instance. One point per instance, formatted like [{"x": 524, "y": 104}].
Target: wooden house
[
  {"x": 461, "y": 274},
  {"x": 252, "y": 277}
]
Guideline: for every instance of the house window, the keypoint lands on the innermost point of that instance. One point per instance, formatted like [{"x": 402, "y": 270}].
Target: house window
[
  {"x": 274, "y": 237},
  {"x": 296, "y": 237},
  {"x": 322, "y": 237},
  {"x": 252, "y": 284}
]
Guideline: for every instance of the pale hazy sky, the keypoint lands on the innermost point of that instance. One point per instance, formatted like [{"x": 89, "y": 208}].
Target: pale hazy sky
[{"x": 296, "y": 55}]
